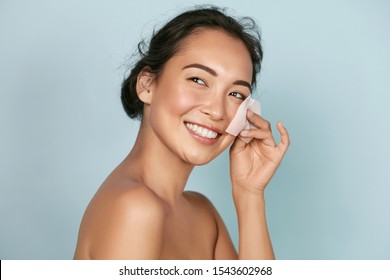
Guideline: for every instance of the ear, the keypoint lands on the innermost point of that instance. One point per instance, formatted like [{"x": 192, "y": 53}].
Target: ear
[{"x": 144, "y": 86}]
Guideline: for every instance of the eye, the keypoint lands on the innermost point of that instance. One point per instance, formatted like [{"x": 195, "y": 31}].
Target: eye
[
  {"x": 198, "y": 81},
  {"x": 237, "y": 95}
]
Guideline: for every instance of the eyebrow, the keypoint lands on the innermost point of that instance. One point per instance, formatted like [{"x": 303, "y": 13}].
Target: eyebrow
[
  {"x": 214, "y": 73},
  {"x": 242, "y": 83},
  {"x": 203, "y": 67}
]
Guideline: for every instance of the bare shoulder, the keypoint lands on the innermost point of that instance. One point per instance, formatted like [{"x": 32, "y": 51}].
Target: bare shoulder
[
  {"x": 122, "y": 222},
  {"x": 224, "y": 248},
  {"x": 202, "y": 204},
  {"x": 199, "y": 199}
]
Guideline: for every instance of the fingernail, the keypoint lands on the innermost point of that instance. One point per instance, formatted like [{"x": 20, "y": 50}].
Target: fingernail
[{"x": 244, "y": 132}]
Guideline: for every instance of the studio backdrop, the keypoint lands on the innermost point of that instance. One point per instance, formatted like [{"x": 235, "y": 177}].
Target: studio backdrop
[{"x": 325, "y": 74}]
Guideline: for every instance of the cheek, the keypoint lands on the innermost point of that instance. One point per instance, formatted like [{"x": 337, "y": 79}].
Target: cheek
[
  {"x": 182, "y": 100},
  {"x": 231, "y": 111}
]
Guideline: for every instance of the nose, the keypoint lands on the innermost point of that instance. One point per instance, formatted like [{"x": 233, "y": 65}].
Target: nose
[{"x": 214, "y": 108}]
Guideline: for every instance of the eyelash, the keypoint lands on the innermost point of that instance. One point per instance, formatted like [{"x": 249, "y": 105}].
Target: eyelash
[
  {"x": 237, "y": 93},
  {"x": 196, "y": 80}
]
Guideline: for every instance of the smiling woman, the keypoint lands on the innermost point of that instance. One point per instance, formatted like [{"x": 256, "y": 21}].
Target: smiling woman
[{"x": 186, "y": 89}]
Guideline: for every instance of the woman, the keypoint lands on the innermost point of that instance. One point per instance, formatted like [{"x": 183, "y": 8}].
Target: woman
[{"x": 186, "y": 89}]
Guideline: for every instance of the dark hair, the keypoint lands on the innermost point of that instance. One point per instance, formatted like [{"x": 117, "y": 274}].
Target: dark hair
[{"x": 166, "y": 42}]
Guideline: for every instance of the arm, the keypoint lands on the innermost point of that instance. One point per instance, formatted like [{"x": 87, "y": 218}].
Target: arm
[
  {"x": 254, "y": 240},
  {"x": 252, "y": 166}
]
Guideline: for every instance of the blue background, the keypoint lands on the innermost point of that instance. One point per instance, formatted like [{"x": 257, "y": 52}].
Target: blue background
[{"x": 325, "y": 74}]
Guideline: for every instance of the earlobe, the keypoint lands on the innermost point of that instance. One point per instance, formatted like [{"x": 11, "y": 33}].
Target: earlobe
[{"x": 144, "y": 86}]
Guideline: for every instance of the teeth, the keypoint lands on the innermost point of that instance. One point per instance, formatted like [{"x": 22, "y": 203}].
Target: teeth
[{"x": 202, "y": 131}]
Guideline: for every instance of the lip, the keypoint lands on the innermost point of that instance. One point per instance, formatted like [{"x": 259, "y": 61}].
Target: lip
[{"x": 200, "y": 138}]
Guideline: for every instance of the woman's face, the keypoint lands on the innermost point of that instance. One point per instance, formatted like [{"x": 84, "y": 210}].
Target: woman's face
[{"x": 198, "y": 93}]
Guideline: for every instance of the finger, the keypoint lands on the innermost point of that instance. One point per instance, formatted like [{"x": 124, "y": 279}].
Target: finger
[
  {"x": 238, "y": 145},
  {"x": 258, "y": 121},
  {"x": 264, "y": 135},
  {"x": 284, "y": 137}
]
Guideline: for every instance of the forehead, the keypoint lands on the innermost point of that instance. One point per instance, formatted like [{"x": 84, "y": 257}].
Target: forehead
[{"x": 217, "y": 49}]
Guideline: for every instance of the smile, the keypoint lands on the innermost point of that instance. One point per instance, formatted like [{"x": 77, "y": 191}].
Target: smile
[{"x": 202, "y": 131}]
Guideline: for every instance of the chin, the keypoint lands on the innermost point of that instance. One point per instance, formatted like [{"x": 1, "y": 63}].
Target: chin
[
  {"x": 202, "y": 162},
  {"x": 198, "y": 161}
]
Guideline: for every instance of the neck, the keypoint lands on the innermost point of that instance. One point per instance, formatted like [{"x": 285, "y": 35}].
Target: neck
[{"x": 153, "y": 164}]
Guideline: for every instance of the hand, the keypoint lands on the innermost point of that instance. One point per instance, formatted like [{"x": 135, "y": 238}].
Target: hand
[{"x": 252, "y": 165}]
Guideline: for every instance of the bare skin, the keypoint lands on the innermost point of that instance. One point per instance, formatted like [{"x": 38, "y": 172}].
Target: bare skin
[{"x": 142, "y": 211}]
